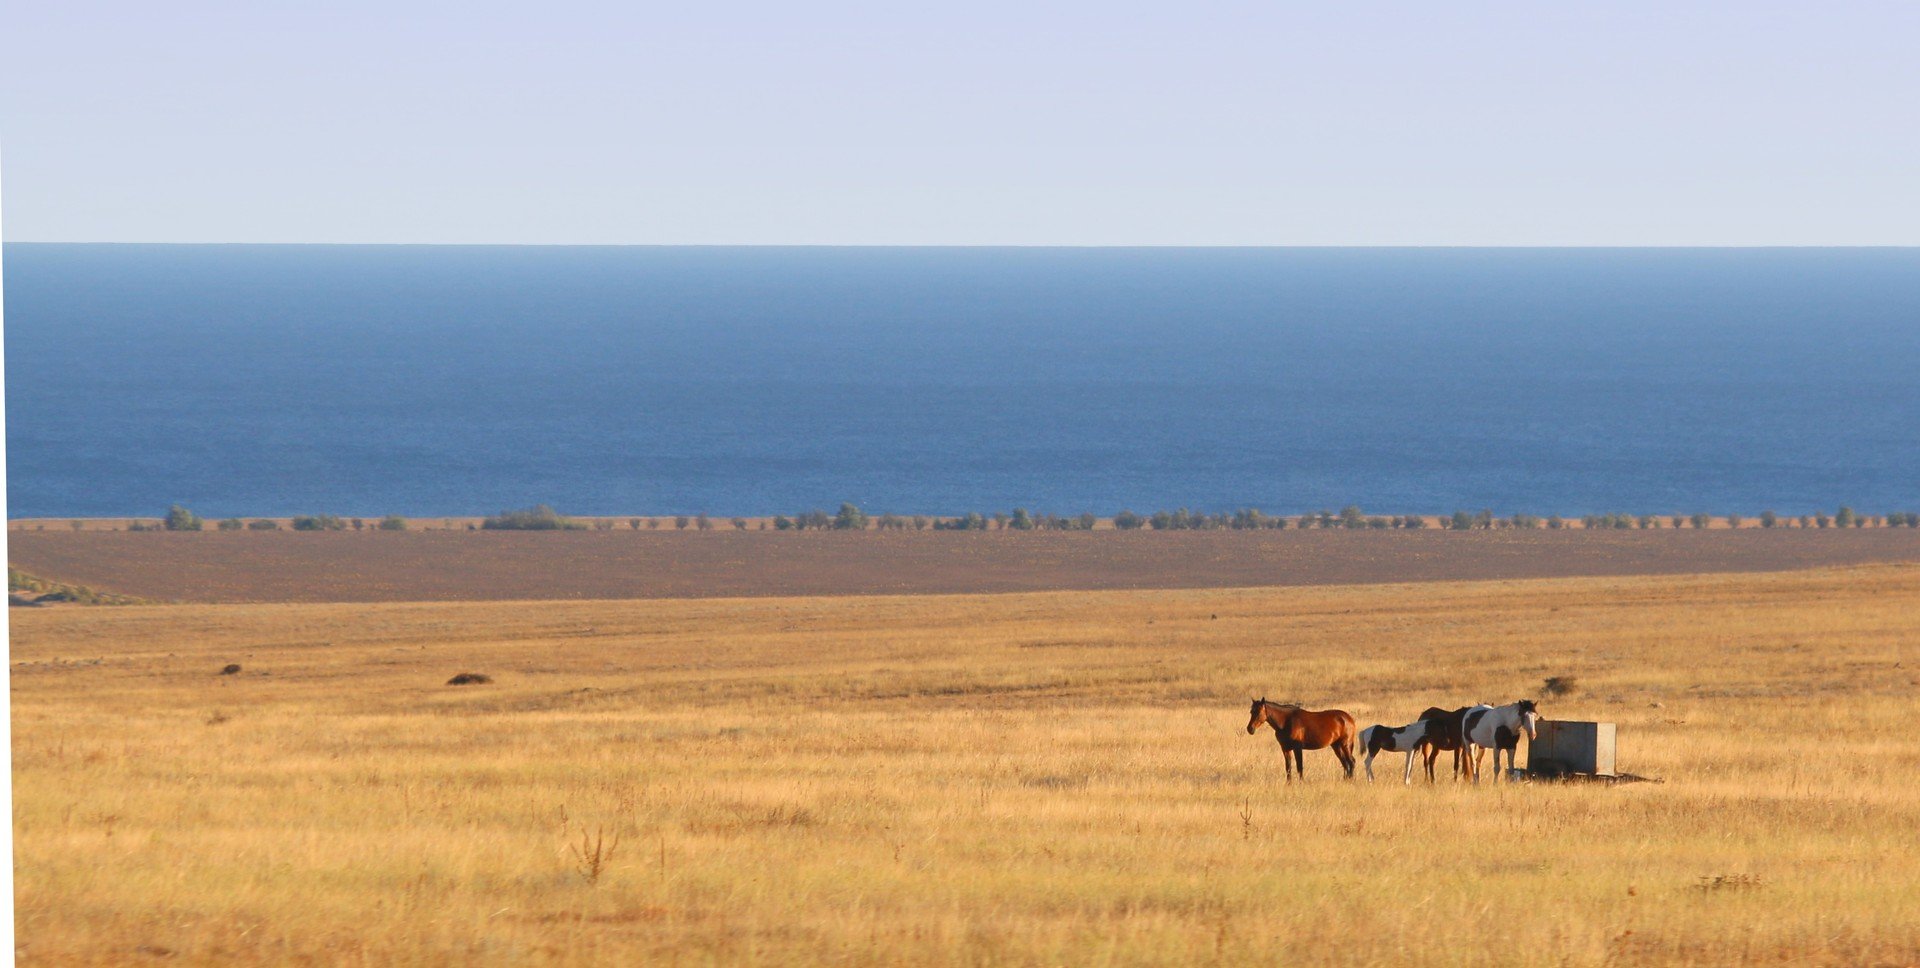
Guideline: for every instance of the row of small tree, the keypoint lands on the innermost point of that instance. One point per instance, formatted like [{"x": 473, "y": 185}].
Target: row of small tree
[{"x": 851, "y": 518}]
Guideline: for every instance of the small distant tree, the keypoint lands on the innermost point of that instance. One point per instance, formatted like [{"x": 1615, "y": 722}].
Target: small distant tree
[
  {"x": 633, "y": 523},
  {"x": 1700, "y": 520},
  {"x": 1128, "y": 521},
  {"x": 920, "y": 522},
  {"x": 1087, "y": 520},
  {"x": 263, "y": 524},
  {"x": 1735, "y": 520},
  {"x": 1822, "y": 521},
  {"x": 653, "y": 524},
  {"x": 1556, "y": 522},
  {"x": 359, "y": 524},
  {"x": 393, "y": 522},
  {"x": 226, "y": 524},
  {"x": 739, "y": 524},
  {"x": 782, "y": 523},
  {"x": 1461, "y": 521},
  {"x": 1021, "y": 520},
  {"x": 702, "y": 523},
  {"x": 849, "y": 518},
  {"x": 680, "y": 522},
  {"x": 1844, "y": 518},
  {"x": 603, "y": 524},
  {"x": 1677, "y": 521},
  {"x": 319, "y": 522},
  {"x": 537, "y": 518},
  {"x": 1769, "y": 519},
  {"x": 181, "y": 519},
  {"x": 1350, "y": 517}
]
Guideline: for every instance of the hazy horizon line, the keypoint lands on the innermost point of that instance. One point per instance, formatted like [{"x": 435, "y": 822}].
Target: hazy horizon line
[{"x": 999, "y": 245}]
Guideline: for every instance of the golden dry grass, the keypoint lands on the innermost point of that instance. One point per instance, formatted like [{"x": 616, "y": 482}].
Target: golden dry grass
[{"x": 1056, "y": 778}]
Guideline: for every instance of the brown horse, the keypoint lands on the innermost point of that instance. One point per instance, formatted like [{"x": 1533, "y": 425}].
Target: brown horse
[
  {"x": 1300, "y": 729},
  {"x": 1448, "y": 732}
]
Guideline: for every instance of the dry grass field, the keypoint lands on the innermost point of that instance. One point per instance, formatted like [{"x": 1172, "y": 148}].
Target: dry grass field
[
  {"x": 1051, "y": 778},
  {"x": 371, "y": 566}
]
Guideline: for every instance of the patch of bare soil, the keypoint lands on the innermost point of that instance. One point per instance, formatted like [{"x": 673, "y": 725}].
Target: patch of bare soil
[{"x": 279, "y": 566}]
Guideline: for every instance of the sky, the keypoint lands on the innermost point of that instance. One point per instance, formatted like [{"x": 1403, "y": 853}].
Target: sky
[{"x": 1031, "y": 123}]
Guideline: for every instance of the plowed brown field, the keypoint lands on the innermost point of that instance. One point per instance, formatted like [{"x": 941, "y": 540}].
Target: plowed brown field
[{"x": 490, "y": 565}]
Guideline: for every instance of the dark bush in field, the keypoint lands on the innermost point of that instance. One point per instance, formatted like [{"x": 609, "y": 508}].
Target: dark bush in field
[
  {"x": 393, "y": 522},
  {"x": 226, "y": 524},
  {"x": 470, "y": 679},
  {"x": 1700, "y": 520},
  {"x": 1769, "y": 519},
  {"x": 181, "y": 519},
  {"x": 1560, "y": 685},
  {"x": 318, "y": 522},
  {"x": 230, "y": 669},
  {"x": 1128, "y": 521},
  {"x": 263, "y": 524}
]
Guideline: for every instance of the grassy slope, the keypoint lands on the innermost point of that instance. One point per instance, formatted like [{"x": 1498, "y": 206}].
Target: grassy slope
[
  {"x": 493, "y": 565},
  {"x": 1053, "y": 778}
]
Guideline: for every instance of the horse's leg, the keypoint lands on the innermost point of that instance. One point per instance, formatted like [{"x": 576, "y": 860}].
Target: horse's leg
[
  {"x": 1300, "y": 762},
  {"x": 1286, "y": 756},
  {"x": 1344, "y": 750},
  {"x": 1407, "y": 779},
  {"x": 1371, "y": 753}
]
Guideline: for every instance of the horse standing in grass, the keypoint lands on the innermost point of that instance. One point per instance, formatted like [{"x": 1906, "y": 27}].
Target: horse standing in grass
[
  {"x": 1388, "y": 739},
  {"x": 1497, "y": 729},
  {"x": 1447, "y": 732},
  {"x": 1302, "y": 729}
]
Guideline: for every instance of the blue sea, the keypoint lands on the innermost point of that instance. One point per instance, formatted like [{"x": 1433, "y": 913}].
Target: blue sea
[{"x": 427, "y": 380}]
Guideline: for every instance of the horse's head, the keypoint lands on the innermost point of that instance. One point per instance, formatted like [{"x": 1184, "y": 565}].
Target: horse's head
[
  {"x": 1257, "y": 713},
  {"x": 1529, "y": 718}
]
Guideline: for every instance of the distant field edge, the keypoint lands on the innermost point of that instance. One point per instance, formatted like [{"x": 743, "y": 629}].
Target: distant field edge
[{"x": 430, "y": 566}]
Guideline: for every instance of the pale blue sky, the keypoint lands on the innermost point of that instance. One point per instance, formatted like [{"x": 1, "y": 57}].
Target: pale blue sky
[{"x": 1019, "y": 123}]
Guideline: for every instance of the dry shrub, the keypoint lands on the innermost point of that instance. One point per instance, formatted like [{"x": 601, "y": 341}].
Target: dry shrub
[
  {"x": 469, "y": 679},
  {"x": 230, "y": 669},
  {"x": 1560, "y": 685}
]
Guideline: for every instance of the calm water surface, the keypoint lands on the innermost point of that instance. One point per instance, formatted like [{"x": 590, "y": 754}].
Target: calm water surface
[{"x": 364, "y": 380}]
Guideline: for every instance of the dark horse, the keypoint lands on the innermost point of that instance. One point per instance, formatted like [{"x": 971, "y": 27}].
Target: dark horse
[
  {"x": 1301, "y": 729},
  {"x": 1448, "y": 732}
]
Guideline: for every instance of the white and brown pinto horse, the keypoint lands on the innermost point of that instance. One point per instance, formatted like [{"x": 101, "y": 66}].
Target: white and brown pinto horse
[
  {"x": 1498, "y": 728},
  {"x": 1407, "y": 739}
]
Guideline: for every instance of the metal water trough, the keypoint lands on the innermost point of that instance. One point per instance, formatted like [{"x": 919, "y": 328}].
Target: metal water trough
[{"x": 1566, "y": 749}]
